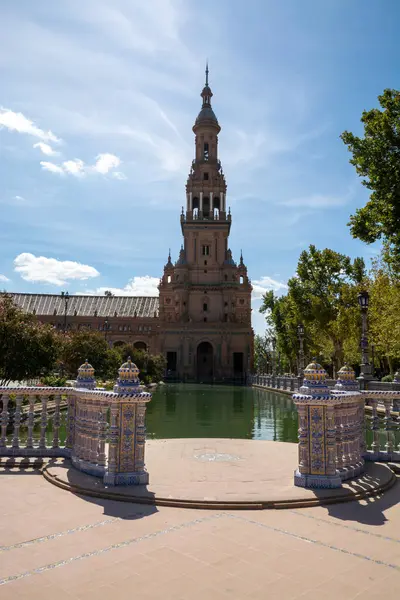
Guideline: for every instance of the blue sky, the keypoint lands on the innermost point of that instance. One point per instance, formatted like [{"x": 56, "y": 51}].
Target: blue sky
[{"x": 98, "y": 98}]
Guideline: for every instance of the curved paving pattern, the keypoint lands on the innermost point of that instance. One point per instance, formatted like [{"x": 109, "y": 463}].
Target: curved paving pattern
[{"x": 221, "y": 474}]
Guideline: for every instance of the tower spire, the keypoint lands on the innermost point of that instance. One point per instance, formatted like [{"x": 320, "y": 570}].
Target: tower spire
[{"x": 207, "y": 72}]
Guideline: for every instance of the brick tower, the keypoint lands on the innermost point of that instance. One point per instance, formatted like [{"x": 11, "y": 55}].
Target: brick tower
[{"x": 205, "y": 297}]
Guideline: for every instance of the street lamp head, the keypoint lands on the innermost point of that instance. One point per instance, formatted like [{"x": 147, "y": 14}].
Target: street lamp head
[
  {"x": 363, "y": 298},
  {"x": 300, "y": 329}
]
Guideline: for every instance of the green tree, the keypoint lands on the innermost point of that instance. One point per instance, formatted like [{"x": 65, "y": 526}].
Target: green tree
[
  {"x": 82, "y": 345},
  {"x": 323, "y": 296},
  {"x": 262, "y": 352},
  {"x": 27, "y": 348},
  {"x": 376, "y": 157},
  {"x": 151, "y": 366},
  {"x": 384, "y": 310}
]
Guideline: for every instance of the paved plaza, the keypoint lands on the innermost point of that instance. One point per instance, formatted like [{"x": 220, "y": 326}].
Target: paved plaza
[
  {"x": 227, "y": 472},
  {"x": 55, "y": 544}
]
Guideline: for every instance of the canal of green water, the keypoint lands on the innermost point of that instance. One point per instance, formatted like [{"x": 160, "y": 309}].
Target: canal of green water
[{"x": 207, "y": 411}]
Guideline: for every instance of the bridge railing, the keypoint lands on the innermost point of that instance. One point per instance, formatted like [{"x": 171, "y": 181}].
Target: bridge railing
[
  {"x": 382, "y": 424},
  {"x": 104, "y": 431}
]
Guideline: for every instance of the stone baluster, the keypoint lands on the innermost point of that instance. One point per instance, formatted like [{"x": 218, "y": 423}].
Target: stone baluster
[
  {"x": 43, "y": 422},
  {"x": 102, "y": 435},
  {"x": 360, "y": 416},
  {"x": 17, "y": 420},
  {"x": 56, "y": 421},
  {"x": 70, "y": 441},
  {"x": 375, "y": 426},
  {"x": 388, "y": 425},
  {"x": 4, "y": 420},
  {"x": 362, "y": 426},
  {"x": 31, "y": 421}
]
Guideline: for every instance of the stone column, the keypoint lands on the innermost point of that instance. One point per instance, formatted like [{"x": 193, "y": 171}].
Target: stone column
[
  {"x": 317, "y": 433},
  {"x": 4, "y": 420},
  {"x": 127, "y": 430}
]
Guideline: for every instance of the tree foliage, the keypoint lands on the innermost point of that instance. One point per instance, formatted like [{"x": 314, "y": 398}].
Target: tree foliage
[
  {"x": 151, "y": 366},
  {"x": 324, "y": 297},
  {"x": 376, "y": 157},
  {"x": 85, "y": 345},
  {"x": 28, "y": 349},
  {"x": 321, "y": 296}
]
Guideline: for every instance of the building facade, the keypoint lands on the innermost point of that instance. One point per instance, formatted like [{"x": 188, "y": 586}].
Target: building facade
[{"x": 201, "y": 320}]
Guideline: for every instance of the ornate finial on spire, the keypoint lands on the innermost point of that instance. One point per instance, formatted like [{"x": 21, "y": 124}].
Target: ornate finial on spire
[
  {"x": 207, "y": 72},
  {"x": 241, "y": 259},
  {"x": 169, "y": 264}
]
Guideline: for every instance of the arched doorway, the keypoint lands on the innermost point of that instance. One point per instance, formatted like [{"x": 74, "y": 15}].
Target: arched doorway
[
  {"x": 118, "y": 344},
  {"x": 140, "y": 346},
  {"x": 205, "y": 362}
]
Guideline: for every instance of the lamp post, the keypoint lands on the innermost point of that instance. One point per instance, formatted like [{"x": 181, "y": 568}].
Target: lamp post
[
  {"x": 105, "y": 327},
  {"x": 373, "y": 360},
  {"x": 65, "y": 297},
  {"x": 300, "y": 335},
  {"x": 365, "y": 367}
]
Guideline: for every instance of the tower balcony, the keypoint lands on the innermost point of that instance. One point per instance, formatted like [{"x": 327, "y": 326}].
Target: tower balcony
[{"x": 198, "y": 215}]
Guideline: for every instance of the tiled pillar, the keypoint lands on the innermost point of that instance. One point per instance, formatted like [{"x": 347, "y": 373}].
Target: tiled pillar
[{"x": 126, "y": 464}]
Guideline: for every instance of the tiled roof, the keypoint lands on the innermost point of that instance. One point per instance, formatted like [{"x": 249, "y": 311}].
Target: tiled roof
[{"x": 87, "y": 306}]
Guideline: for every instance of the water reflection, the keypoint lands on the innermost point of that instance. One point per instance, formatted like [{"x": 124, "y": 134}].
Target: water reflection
[
  {"x": 202, "y": 411},
  {"x": 190, "y": 411}
]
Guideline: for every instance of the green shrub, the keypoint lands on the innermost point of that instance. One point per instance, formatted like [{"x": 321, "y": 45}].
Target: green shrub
[
  {"x": 387, "y": 378},
  {"x": 54, "y": 381}
]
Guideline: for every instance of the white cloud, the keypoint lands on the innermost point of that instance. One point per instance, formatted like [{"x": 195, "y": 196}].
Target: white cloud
[
  {"x": 18, "y": 122},
  {"x": 119, "y": 175},
  {"x": 264, "y": 284},
  {"x": 40, "y": 269},
  {"x": 317, "y": 201},
  {"x": 103, "y": 165},
  {"x": 48, "y": 166},
  {"x": 4, "y": 278},
  {"x": 74, "y": 167},
  {"x": 138, "y": 286},
  {"x": 19, "y": 198},
  {"x": 45, "y": 148},
  {"x": 106, "y": 162}
]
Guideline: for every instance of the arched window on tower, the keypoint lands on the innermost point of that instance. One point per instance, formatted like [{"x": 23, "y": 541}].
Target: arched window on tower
[
  {"x": 241, "y": 280},
  {"x": 195, "y": 207},
  {"x": 205, "y": 151},
  {"x": 206, "y": 207}
]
